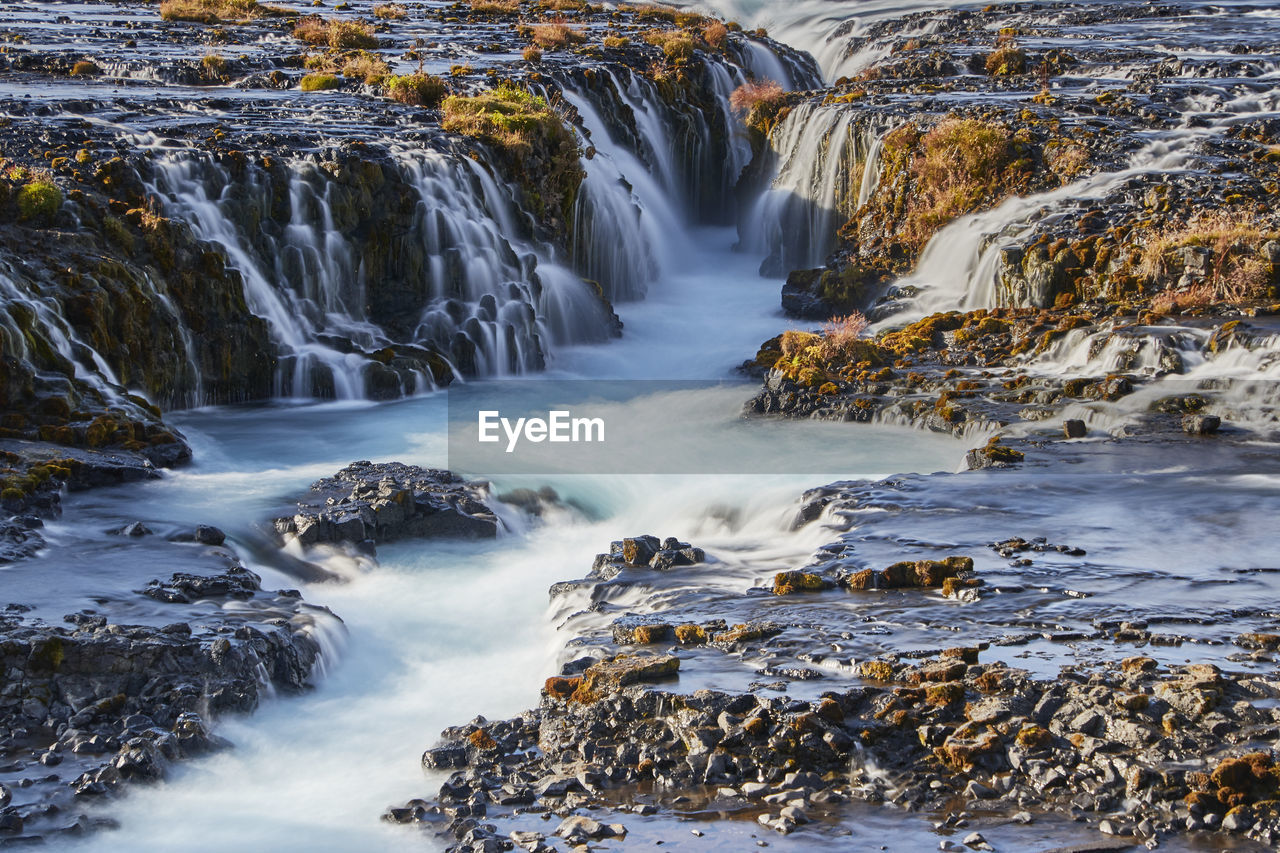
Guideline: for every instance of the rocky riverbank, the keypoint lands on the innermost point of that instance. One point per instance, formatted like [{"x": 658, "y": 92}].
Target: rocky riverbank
[
  {"x": 966, "y": 675},
  {"x": 92, "y": 706}
]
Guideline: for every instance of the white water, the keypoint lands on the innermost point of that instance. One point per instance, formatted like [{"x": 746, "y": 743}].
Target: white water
[{"x": 438, "y": 632}]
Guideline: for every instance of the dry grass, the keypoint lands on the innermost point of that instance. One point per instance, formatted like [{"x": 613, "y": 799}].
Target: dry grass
[
  {"x": 532, "y": 53},
  {"x": 218, "y": 11},
  {"x": 338, "y": 35},
  {"x": 417, "y": 90},
  {"x": 556, "y": 35},
  {"x": 1178, "y": 301},
  {"x": 365, "y": 66},
  {"x": 715, "y": 34},
  {"x": 839, "y": 336},
  {"x": 616, "y": 42},
  {"x": 495, "y": 7},
  {"x": 214, "y": 66},
  {"x": 1236, "y": 269},
  {"x": 758, "y": 103},
  {"x": 564, "y": 5},
  {"x": 389, "y": 11},
  {"x": 963, "y": 165},
  {"x": 85, "y": 68},
  {"x": 677, "y": 45}
]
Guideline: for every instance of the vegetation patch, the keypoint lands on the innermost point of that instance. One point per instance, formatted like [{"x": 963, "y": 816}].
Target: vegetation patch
[
  {"x": 538, "y": 148},
  {"x": 337, "y": 35},
  {"x": 1215, "y": 257},
  {"x": 417, "y": 90},
  {"x": 960, "y": 166},
  {"x": 319, "y": 82},
  {"x": 760, "y": 104},
  {"x": 219, "y": 11},
  {"x": 556, "y": 35},
  {"x": 39, "y": 201}
]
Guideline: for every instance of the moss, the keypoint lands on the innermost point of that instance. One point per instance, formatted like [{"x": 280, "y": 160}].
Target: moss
[
  {"x": 648, "y": 634},
  {"x": 942, "y": 695},
  {"x": 536, "y": 145},
  {"x": 319, "y": 82},
  {"x": 690, "y": 635},
  {"x": 48, "y": 653},
  {"x": 561, "y": 688},
  {"x": 1033, "y": 737},
  {"x": 481, "y": 740},
  {"x": 876, "y": 670},
  {"x": 789, "y": 583},
  {"x": 1007, "y": 60},
  {"x": 39, "y": 201}
]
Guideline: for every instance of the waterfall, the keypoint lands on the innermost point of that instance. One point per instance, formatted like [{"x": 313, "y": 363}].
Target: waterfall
[
  {"x": 820, "y": 184},
  {"x": 34, "y": 333}
]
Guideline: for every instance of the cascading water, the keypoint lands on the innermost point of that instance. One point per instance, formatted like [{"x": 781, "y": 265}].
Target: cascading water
[{"x": 824, "y": 154}]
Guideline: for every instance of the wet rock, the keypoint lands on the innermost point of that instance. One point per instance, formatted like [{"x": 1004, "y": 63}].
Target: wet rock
[
  {"x": 367, "y": 502},
  {"x": 1201, "y": 424},
  {"x": 1074, "y": 428}
]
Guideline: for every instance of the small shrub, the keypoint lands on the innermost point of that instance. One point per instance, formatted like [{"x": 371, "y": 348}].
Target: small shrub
[
  {"x": 495, "y": 7},
  {"x": 319, "y": 82},
  {"x": 39, "y": 200},
  {"x": 758, "y": 103},
  {"x": 564, "y": 5},
  {"x": 389, "y": 11},
  {"x": 840, "y": 336},
  {"x": 1007, "y": 60},
  {"x": 616, "y": 42},
  {"x": 715, "y": 34},
  {"x": 556, "y": 35},
  {"x": 85, "y": 68},
  {"x": 532, "y": 53},
  {"x": 215, "y": 67},
  {"x": 417, "y": 90}
]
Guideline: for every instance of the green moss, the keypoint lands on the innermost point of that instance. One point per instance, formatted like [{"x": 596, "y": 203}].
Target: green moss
[
  {"x": 788, "y": 583},
  {"x": 39, "y": 200},
  {"x": 319, "y": 82}
]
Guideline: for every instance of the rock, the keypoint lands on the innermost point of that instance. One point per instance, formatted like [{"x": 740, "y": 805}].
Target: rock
[
  {"x": 1201, "y": 424},
  {"x": 612, "y": 675},
  {"x": 1074, "y": 428},
  {"x": 388, "y": 501}
]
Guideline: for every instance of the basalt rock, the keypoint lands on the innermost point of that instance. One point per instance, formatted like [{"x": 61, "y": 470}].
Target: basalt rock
[
  {"x": 112, "y": 704},
  {"x": 367, "y": 502}
]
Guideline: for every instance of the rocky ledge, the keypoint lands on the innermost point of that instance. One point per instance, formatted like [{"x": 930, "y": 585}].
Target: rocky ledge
[
  {"x": 89, "y": 708},
  {"x": 370, "y": 503}
]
